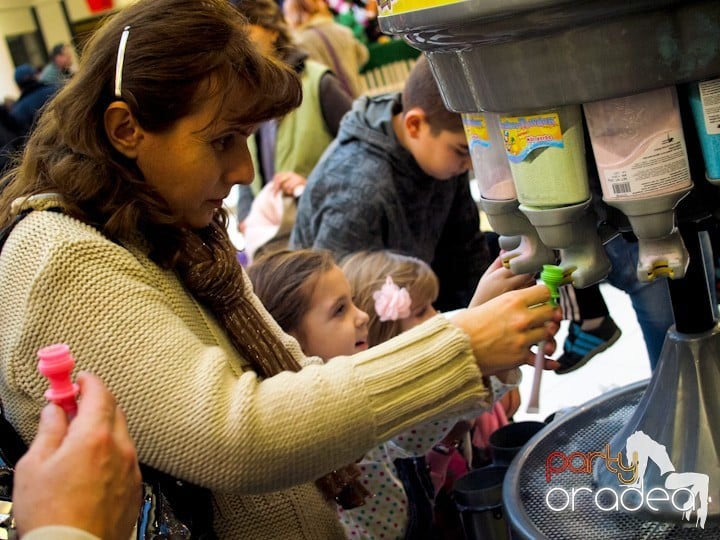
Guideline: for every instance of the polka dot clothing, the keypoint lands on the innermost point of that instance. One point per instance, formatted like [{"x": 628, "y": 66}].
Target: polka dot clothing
[{"x": 385, "y": 515}]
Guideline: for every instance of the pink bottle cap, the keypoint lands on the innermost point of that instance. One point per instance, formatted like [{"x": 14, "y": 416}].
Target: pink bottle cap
[{"x": 56, "y": 363}]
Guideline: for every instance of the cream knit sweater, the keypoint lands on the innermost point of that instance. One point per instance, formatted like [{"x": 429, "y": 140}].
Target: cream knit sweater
[{"x": 194, "y": 408}]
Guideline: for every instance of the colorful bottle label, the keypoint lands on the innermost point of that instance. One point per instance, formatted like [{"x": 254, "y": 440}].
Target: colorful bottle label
[
  {"x": 476, "y": 130},
  {"x": 387, "y": 8},
  {"x": 661, "y": 168},
  {"x": 523, "y": 134},
  {"x": 710, "y": 99}
]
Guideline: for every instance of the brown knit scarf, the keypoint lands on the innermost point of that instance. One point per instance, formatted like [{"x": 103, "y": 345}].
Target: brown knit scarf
[{"x": 209, "y": 268}]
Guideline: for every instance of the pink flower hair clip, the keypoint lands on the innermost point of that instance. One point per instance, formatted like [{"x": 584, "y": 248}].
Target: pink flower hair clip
[{"x": 392, "y": 302}]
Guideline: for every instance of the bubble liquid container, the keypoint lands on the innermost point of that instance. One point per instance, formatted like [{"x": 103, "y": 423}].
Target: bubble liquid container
[
  {"x": 56, "y": 362},
  {"x": 546, "y": 155},
  {"x": 498, "y": 198},
  {"x": 705, "y": 105},
  {"x": 640, "y": 152}
]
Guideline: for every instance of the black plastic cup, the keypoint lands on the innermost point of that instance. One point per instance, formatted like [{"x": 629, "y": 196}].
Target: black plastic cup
[
  {"x": 506, "y": 442},
  {"x": 478, "y": 499}
]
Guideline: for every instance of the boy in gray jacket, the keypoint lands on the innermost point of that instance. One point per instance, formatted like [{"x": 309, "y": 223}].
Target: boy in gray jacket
[{"x": 396, "y": 178}]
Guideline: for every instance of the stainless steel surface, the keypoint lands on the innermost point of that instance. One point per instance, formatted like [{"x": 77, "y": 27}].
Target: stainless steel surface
[
  {"x": 588, "y": 428},
  {"x": 533, "y": 55},
  {"x": 681, "y": 411}
]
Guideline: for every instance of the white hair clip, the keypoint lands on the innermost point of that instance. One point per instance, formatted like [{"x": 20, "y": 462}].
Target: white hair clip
[{"x": 120, "y": 61}]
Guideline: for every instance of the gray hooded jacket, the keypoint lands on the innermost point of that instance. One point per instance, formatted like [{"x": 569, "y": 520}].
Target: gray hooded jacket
[{"x": 368, "y": 192}]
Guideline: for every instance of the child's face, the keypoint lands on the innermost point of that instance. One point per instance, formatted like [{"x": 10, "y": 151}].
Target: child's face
[
  {"x": 193, "y": 166},
  {"x": 333, "y": 326},
  {"x": 442, "y": 155},
  {"x": 418, "y": 315}
]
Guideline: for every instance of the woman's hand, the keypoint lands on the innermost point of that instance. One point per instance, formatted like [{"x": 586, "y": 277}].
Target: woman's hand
[
  {"x": 83, "y": 473},
  {"x": 503, "y": 329}
]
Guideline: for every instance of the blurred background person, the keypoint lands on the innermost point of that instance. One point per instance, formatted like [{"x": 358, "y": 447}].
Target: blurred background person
[
  {"x": 33, "y": 95},
  {"x": 326, "y": 41},
  {"x": 277, "y": 156},
  {"x": 58, "y": 69}
]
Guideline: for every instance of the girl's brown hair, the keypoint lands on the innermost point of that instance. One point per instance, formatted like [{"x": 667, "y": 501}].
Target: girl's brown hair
[
  {"x": 285, "y": 280},
  {"x": 179, "y": 53},
  {"x": 367, "y": 271}
]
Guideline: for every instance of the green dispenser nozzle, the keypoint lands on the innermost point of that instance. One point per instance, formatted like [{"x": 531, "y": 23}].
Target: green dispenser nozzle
[{"x": 553, "y": 276}]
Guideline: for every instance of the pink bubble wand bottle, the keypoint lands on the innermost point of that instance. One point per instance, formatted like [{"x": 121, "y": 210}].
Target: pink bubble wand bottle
[{"x": 56, "y": 363}]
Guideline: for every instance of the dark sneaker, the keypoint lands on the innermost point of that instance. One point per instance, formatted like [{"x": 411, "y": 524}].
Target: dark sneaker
[{"x": 580, "y": 345}]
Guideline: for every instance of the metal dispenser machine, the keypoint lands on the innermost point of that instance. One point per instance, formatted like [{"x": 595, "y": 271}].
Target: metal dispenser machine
[{"x": 641, "y": 461}]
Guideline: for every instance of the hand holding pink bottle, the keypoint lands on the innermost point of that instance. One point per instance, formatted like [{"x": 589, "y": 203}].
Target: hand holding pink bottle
[{"x": 56, "y": 363}]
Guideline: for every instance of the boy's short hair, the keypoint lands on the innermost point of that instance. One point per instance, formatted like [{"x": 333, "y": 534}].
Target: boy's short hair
[{"x": 421, "y": 91}]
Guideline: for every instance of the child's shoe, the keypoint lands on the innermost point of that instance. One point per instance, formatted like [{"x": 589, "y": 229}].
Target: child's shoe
[{"x": 581, "y": 345}]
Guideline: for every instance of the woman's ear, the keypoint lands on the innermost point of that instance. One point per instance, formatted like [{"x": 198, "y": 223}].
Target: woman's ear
[{"x": 122, "y": 129}]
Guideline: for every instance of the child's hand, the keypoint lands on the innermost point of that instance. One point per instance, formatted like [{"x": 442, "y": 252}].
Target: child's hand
[
  {"x": 496, "y": 280},
  {"x": 457, "y": 432},
  {"x": 510, "y": 402},
  {"x": 288, "y": 183}
]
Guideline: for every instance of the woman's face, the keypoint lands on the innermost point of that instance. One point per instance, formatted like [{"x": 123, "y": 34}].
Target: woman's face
[
  {"x": 194, "y": 164},
  {"x": 333, "y": 326}
]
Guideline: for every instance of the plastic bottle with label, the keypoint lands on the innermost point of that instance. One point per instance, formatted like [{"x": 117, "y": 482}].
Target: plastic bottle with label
[
  {"x": 546, "y": 155},
  {"x": 487, "y": 151},
  {"x": 705, "y": 105},
  {"x": 642, "y": 161},
  {"x": 546, "y": 151},
  {"x": 498, "y": 198}
]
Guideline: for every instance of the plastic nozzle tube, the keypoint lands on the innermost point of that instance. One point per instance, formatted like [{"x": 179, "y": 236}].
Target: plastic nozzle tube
[
  {"x": 552, "y": 276},
  {"x": 534, "y": 403},
  {"x": 56, "y": 363}
]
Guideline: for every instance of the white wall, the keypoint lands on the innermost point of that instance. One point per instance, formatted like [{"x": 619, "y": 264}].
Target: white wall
[{"x": 15, "y": 18}]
